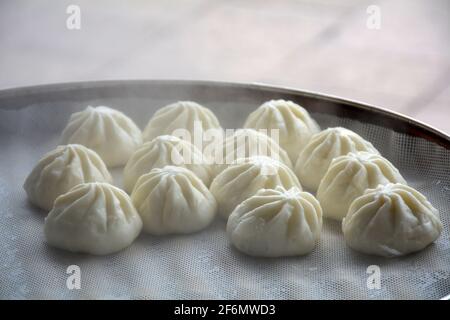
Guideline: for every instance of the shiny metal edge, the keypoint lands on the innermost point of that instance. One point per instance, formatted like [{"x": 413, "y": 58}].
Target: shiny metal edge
[
  {"x": 57, "y": 87},
  {"x": 357, "y": 103}
]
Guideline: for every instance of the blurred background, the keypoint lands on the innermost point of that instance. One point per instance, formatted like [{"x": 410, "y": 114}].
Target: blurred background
[{"x": 391, "y": 53}]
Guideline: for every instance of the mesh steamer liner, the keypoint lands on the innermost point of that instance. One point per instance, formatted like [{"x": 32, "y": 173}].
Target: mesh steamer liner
[{"x": 204, "y": 265}]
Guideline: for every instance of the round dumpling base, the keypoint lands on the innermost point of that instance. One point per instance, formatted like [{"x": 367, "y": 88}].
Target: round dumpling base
[
  {"x": 173, "y": 200},
  {"x": 390, "y": 221},
  {"x": 95, "y": 218},
  {"x": 276, "y": 223}
]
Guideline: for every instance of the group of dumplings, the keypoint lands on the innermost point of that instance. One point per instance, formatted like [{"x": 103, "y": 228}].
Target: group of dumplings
[{"x": 259, "y": 191}]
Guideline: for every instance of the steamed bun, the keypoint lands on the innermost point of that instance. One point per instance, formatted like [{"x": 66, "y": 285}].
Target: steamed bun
[
  {"x": 316, "y": 157},
  {"x": 163, "y": 151},
  {"x": 173, "y": 200},
  {"x": 294, "y": 123},
  {"x": 181, "y": 115},
  {"x": 60, "y": 170},
  {"x": 95, "y": 218},
  {"x": 276, "y": 223},
  {"x": 245, "y": 143},
  {"x": 391, "y": 220},
  {"x": 247, "y": 176},
  {"x": 349, "y": 176},
  {"x": 108, "y": 132}
]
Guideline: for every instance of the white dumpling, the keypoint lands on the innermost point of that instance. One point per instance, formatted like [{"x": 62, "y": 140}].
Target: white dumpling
[
  {"x": 95, "y": 218},
  {"x": 173, "y": 200},
  {"x": 349, "y": 176},
  {"x": 391, "y": 220},
  {"x": 165, "y": 151},
  {"x": 294, "y": 123},
  {"x": 276, "y": 223},
  {"x": 60, "y": 170},
  {"x": 316, "y": 157},
  {"x": 246, "y": 177},
  {"x": 182, "y": 115},
  {"x": 245, "y": 143},
  {"x": 108, "y": 132}
]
